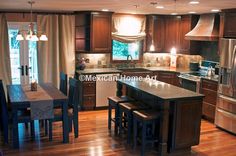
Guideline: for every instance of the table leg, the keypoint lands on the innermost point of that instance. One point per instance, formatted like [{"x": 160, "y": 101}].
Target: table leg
[
  {"x": 15, "y": 128},
  {"x": 65, "y": 122},
  {"x": 164, "y": 128}
]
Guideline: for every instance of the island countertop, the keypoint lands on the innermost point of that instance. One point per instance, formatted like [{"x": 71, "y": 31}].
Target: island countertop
[{"x": 160, "y": 89}]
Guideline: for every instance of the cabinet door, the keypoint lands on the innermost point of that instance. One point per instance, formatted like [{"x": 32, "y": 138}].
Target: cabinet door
[
  {"x": 155, "y": 33},
  {"x": 229, "y": 25},
  {"x": 172, "y": 25},
  {"x": 185, "y": 27},
  {"x": 101, "y": 32}
]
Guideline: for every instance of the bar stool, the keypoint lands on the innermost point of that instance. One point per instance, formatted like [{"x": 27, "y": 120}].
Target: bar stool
[
  {"x": 127, "y": 109},
  {"x": 146, "y": 121},
  {"x": 113, "y": 104}
]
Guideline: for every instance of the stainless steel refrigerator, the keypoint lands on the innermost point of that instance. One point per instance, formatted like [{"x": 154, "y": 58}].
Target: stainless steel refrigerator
[{"x": 226, "y": 102}]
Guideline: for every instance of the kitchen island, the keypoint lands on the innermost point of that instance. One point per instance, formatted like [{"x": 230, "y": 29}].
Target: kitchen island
[{"x": 180, "y": 109}]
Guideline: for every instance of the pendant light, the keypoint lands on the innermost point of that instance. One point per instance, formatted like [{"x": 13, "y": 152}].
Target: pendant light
[{"x": 31, "y": 34}]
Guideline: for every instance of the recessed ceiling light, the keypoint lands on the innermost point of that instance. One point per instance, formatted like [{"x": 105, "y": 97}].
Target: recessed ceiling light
[
  {"x": 192, "y": 12},
  {"x": 159, "y": 7},
  {"x": 174, "y": 13},
  {"x": 215, "y": 10},
  {"x": 105, "y": 10},
  {"x": 193, "y": 2}
]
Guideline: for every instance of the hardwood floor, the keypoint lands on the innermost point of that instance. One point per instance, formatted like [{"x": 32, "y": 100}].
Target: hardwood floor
[{"x": 96, "y": 140}]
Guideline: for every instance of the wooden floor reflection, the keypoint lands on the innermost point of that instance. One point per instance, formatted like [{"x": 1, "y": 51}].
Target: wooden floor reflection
[{"x": 95, "y": 140}]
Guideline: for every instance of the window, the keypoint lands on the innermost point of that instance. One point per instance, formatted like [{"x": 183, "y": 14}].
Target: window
[{"x": 120, "y": 50}]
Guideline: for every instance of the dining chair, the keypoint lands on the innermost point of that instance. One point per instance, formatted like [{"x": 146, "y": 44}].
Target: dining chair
[
  {"x": 63, "y": 89},
  {"x": 73, "y": 103},
  {"x": 6, "y": 116},
  {"x": 63, "y": 83}
]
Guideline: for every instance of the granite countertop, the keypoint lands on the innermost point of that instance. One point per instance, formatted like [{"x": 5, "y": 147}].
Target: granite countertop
[
  {"x": 177, "y": 70},
  {"x": 214, "y": 78},
  {"x": 160, "y": 89},
  {"x": 98, "y": 71}
]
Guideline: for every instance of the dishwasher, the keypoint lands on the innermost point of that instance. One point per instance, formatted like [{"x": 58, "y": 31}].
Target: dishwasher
[{"x": 105, "y": 89}]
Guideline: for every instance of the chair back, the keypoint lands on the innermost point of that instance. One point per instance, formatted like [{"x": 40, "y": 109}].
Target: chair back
[
  {"x": 4, "y": 112},
  {"x": 63, "y": 83},
  {"x": 73, "y": 98}
]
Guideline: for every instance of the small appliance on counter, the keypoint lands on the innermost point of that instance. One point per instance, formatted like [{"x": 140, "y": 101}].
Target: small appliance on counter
[{"x": 194, "y": 66}]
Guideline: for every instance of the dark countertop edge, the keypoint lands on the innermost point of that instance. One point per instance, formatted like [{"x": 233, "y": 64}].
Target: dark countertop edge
[
  {"x": 168, "y": 99},
  {"x": 100, "y": 72}
]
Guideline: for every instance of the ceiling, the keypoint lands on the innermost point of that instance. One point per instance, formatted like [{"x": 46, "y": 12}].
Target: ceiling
[{"x": 121, "y": 6}]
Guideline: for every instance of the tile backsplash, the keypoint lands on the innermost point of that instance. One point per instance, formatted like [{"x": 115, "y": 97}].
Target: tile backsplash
[{"x": 149, "y": 60}]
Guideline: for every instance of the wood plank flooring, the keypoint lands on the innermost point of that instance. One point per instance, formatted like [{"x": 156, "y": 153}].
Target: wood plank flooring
[{"x": 96, "y": 140}]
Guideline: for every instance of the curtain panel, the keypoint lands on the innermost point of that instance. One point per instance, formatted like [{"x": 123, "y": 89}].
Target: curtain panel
[
  {"x": 128, "y": 28},
  {"x": 5, "y": 64},
  {"x": 56, "y": 54}
]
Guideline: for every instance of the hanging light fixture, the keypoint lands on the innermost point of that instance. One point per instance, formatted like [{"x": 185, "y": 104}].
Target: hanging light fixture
[{"x": 31, "y": 34}]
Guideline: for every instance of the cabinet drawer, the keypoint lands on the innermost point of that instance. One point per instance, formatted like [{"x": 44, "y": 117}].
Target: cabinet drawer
[
  {"x": 89, "y": 101},
  {"x": 210, "y": 96},
  {"x": 166, "y": 75},
  {"x": 209, "y": 85},
  {"x": 208, "y": 110},
  {"x": 89, "y": 88}
]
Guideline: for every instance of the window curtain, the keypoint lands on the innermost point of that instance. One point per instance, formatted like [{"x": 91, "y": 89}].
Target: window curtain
[
  {"x": 128, "y": 28},
  {"x": 56, "y": 54},
  {"x": 5, "y": 65}
]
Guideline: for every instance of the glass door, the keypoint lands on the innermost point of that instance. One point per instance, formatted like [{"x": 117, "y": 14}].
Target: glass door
[{"x": 23, "y": 55}]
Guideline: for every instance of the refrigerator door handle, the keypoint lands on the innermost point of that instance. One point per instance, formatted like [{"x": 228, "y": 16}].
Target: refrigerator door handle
[{"x": 233, "y": 78}]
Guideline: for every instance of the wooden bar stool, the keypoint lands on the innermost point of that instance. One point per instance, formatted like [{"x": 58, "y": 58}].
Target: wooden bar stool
[
  {"x": 113, "y": 104},
  {"x": 127, "y": 109},
  {"x": 146, "y": 121}
]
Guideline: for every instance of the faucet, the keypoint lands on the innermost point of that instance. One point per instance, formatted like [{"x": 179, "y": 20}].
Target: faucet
[{"x": 131, "y": 60}]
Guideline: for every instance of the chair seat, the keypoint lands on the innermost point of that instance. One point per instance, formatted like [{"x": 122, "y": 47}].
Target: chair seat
[
  {"x": 132, "y": 106},
  {"x": 117, "y": 99},
  {"x": 146, "y": 114},
  {"x": 58, "y": 112}
]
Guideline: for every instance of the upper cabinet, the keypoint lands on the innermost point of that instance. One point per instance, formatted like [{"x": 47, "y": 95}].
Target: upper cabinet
[
  {"x": 227, "y": 24},
  {"x": 155, "y": 31},
  {"x": 166, "y": 32},
  {"x": 93, "y": 32}
]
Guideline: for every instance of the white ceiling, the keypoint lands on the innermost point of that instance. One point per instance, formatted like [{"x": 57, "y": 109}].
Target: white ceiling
[{"x": 122, "y": 6}]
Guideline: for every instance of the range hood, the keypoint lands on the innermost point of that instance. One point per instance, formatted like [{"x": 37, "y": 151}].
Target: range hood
[{"x": 207, "y": 29}]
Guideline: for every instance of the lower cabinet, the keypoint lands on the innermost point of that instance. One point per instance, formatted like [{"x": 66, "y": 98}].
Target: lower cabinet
[
  {"x": 167, "y": 77},
  {"x": 209, "y": 89},
  {"x": 87, "y": 95}
]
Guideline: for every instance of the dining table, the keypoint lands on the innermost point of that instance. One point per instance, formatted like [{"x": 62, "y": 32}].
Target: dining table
[{"x": 19, "y": 97}]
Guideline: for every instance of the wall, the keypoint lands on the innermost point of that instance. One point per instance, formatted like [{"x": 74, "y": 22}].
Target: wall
[
  {"x": 209, "y": 51},
  {"x": 149, "y": 60}
]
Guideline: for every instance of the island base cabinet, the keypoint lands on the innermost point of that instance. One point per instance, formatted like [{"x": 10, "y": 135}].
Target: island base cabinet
[{"x": 185, "y": 122}]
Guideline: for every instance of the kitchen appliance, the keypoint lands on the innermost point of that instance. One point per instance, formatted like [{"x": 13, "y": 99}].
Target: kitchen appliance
[
  {"x": 192, "y": 80},
  {"x": 226, "y": 102},
  {"x": 105, "y": 87},
  {"x": 194, "y": 66}
]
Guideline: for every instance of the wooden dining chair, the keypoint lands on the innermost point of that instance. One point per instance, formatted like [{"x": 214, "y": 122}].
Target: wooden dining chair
[
  {"x": 73, "y": 103},
  {"x": 6, "y": 119},
  {"x": 63, "y": 83}
]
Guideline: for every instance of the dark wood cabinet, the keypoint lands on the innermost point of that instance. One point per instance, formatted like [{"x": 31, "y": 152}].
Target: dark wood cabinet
[
  {"x": 172, "y": 27},
  {"x": 155, "y": 30},
  {"x": 93, "y": 32},
  {"x": 87, "y": 94},
  {"x": 167, "y": 77},
  {"x": 166, "y": 32},
  {"x": 209, "y": 89},
  {"x": 227, "y": 25}
]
